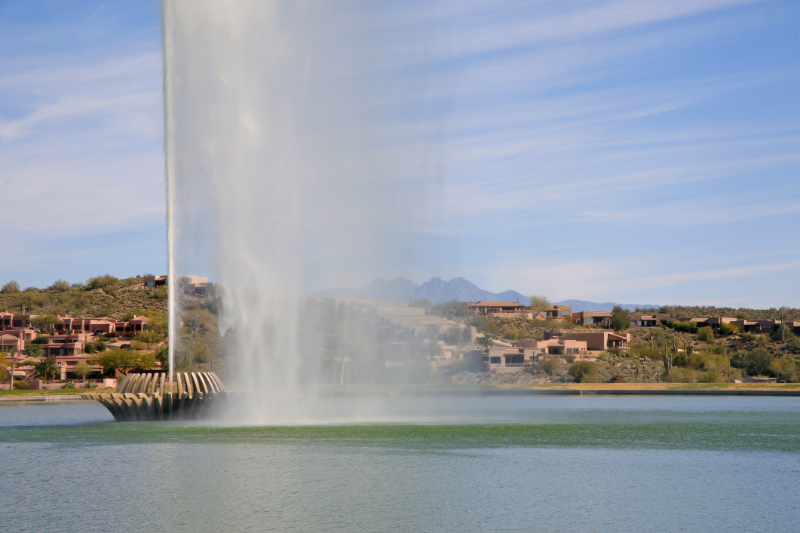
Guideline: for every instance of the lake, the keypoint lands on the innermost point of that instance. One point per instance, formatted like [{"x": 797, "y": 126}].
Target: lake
[{"x": 413, "y": 464}]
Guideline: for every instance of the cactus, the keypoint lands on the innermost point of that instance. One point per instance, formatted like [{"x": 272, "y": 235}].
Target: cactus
[{"x": 667, "y": 358}]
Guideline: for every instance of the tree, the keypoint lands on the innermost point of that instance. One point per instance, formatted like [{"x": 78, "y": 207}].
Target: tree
[
  {"x": 486, "y": 340},
  {"x": 10, "y": 287},
  {"x": 539, "y": 304},
  {"x": 47, "y": 367},
  {"x": 34, "y": 350},
  {"x": 550, "y": 364},
  {"x": 149, "y": 338},
  {"x": 124, "y": 361},
  {"x": 620, "y": 320},
  {"x": 583, "y": 371},
  {"x": 83, "y": 369},
  {"x": 100, "y": 282},
  {"x": 46, "y": 322},
  {"x": 60, "y": 285},
  {"x": 705, "y": 334},
  {"x": 754, "y": 362}
]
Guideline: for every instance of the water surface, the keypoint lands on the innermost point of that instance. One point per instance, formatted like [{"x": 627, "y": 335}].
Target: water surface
[{"x": 419, "y": 464}]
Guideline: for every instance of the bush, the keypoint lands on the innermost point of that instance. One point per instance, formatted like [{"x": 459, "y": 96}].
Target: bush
[
  {"x": 10, "y": 287},
  {"x": 89, "y": 348},
  {"x": 69, "y": 385},
  {"x": 728, "y": 329},
  {"x": 710, "y": 376},
  {"x": 617, "y": 378},
  {"x": 753, "y": 362},
  {"x": 138, "y": 345},
  {"x": 583, "y": 372},
  {"x": 101, "y": 282},
  {"x": 550, "y": 364},
  {"x": 686, "y": 327},
  {"x": 34, "y": 350},
  {"x": 60, "y": 285},
  {"x": 569, "y": 358},
  {"x": 681, "y": 375},
  {"x": 90, "y": 385},
  {"x": 20, "y": 384},
  {"x": 785, "y": 370},
  {"x": 705, "y": 334},
  {"x": 620, "y": 320}
]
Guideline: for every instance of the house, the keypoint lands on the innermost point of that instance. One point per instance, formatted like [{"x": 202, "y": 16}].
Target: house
[
  {"x": 563, "y": 312},
  {"x": 639, "y": 320},
  {"x": 495, "y": 308},
  {"x": 133, "y": 326},
  {"x": 713, "y": 322},
  {"x": 9, "y": 343},
  {"x": 200, "y": 290},
  {"x": 86, "y": 325},
  {"x": 554, "y": 346},
  {"x": 599, "y": 340},
  {"x": 592, "y": 318},
  {"x": 64, "y": 345},
  {"x": 26, "y": 334},
  {"x": 756, "y": 326},
  {"x": 155, "y": 281},
  {"x": 10, "y": 320}
]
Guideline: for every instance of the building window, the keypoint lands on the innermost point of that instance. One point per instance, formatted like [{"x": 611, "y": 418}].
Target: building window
[{"x": 494, "y": 360}]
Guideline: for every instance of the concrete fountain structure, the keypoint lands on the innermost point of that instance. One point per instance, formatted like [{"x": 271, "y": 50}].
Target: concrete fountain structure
[{"x": 151, "y": 396}]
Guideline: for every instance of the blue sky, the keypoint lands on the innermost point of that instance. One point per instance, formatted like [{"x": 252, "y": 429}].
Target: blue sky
[{"x": 641, "y": 152}]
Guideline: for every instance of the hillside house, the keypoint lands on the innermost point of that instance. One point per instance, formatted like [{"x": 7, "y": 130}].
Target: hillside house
[
  {"x": 597, "y": 340},
  {"x": 592, "y": 318},
  {"x": 495, "y": 308},
  {"x": 639, "y": 320}
]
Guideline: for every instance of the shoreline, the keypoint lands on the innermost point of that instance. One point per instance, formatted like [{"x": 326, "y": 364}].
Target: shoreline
[{"x": 559, "y": 389}]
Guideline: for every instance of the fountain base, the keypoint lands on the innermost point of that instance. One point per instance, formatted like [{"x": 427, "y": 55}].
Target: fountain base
[{"x": 150, "y": 396}]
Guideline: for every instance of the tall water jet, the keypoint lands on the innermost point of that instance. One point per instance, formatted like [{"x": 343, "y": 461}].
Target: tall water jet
[{"x": 283, "y": 179}]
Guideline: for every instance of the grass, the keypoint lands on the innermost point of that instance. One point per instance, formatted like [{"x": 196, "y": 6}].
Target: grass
[{"x": 50, "y": 392}]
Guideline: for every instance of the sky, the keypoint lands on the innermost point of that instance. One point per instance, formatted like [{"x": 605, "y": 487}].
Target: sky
[{"x": 628, "y": 151}]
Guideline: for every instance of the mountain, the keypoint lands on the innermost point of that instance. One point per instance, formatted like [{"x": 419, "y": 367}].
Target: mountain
[
  {"x": 434, "y": 290},
  {"x": 581, "y": 305}
]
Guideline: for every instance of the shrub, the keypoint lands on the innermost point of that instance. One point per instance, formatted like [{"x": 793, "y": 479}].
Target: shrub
[
  {"x": 89, "y": 348},
  {"x": 785, "y": 370},
  {"x": 686, "y": 327},
  {"x": 620, "y": 320},
  {"x": 100, "y": 282},
  {"x": 616, "y": 378},
  {"x": 69, "y": 385},
  {"x": 90, "y": 385},
  {"x": 705, "y": 334},
  {"x": 753, "y": 362},
  {"x": 550, "y": 364},
  {"x": 569, "y": 358},
  {"x": 728, "y": 329},
  {"x": 3, "y": 374},
  {"x": 583, "y": 372},
  {"x": 34, "y": 350},
  {"x": 710, "y": 376},
  {"x": 60, "y": 285},
  {"x": 681, "y": 375},
  {"x": 10, "y": 287},
  {"x": 138, "y": 345},
  {"x": 20, "y": 384}
]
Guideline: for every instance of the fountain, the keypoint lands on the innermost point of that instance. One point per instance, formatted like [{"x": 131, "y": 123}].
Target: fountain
[{"x": 151, "y": 396}]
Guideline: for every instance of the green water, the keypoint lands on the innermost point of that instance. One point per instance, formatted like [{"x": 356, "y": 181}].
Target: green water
[{"x": 502, "y": 464}]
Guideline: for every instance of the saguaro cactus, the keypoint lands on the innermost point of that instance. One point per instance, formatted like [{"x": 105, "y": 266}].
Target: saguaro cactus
[{"x": 667, "y": 358}]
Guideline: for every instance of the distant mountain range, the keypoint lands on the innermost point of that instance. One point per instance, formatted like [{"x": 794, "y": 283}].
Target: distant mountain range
[{"x": 437, "y": 290}]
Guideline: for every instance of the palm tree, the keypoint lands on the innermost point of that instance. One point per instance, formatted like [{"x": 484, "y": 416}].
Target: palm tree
[{"x": 47, "y": 367}]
